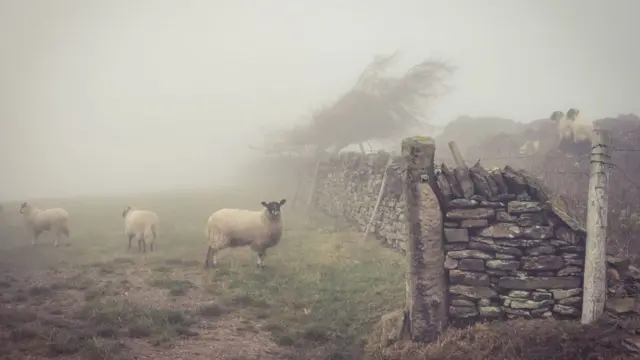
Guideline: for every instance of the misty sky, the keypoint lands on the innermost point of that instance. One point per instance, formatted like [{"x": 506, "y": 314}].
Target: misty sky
[{"x": 122, "y": 95}]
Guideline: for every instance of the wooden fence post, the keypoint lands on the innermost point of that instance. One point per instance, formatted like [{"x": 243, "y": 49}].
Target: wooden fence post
[
  {"x": 383, "y": 186},
  {"x": 426, "y": 282},
  {"x": 595, "y": 283},
  {"x": 299, "y": 182},
  {"x": 314, "y": 181},
  {"x": 457, "y": 155},
  {"x": 462, "y": 171}
]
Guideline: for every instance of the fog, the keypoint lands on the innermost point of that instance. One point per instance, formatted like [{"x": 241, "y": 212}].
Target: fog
[{"x": 111, "y": 96}]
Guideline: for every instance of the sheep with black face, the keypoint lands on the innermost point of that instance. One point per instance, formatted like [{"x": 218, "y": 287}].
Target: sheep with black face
[
  {"x": 582, "y": 127},
  {"x": 230, "y": 228},
  {"x": 572, "y": 126}
]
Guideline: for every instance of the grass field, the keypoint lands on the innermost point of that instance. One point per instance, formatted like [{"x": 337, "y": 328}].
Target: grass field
[{"x": 322, "y": 289}]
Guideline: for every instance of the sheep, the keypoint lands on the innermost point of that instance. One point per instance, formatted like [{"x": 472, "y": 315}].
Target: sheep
[
  {"x": 573, "y": 126},
  {"x": 564, "y": 126},
  {"x": 260, "y": 230},
  {"x": 582, "y": 128},
  {"x": 54, "y": 220},
  {"x": 142, "y": 225}
]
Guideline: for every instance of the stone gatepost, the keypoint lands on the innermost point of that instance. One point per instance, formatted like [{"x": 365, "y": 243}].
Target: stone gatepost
[{"x": 426, "y": 279}]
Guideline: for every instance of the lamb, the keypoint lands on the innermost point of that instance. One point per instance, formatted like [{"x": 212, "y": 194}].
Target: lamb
[
  {"x": 260, "y": 230},
  {"x": 142, "y": 225},
  {"x": 54, "y": 220}
]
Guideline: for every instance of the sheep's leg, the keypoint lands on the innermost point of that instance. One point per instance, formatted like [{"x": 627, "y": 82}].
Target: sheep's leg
[
  {"x": 149, "y": 236},
  {"x": 261, "y": 255},
  {"x": 217, "y": 242},
  {"x": 65, "y": 232},
  {"x": 211, "y": 260},
  {"x": 35, "y": 238},
  {"x": 55, "y": 242},
  {"x": 212, "y": 257},
  {"x": 207, "y": 262},
  {"x": 130, "y": 238},
  {"x": 142, "y": 246}
]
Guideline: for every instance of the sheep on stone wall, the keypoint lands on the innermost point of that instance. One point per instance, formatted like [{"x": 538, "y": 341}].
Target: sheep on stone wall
[
  {"x": 572, "y": 126},
  {"x": 582, "y": 127},
  {"x": 260, "y": 230},
  {"x": 142, "y": 225},
  {"x": 54, "y": 220}
]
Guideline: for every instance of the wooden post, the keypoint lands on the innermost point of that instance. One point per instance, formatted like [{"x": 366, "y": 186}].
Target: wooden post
[
  {"x": 383, "y": 185},
  {"x": 457, "y": 156},
  {"x": 426, "y": 282},
  {"x": 297, "y": 190},
  {"x": 312, "y": 189},
  {"x": 595, "y": 285},
  {"x": 462, "y": 171}
]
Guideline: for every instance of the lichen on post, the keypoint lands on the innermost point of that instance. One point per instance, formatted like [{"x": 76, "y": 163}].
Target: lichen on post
[{"x": 426, "y": 279}]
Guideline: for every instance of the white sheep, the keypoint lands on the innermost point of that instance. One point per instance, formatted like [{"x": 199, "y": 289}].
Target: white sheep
[
  {"x": 563, "y": 125},
  {"x": 142, "y": 225},
  {"x": 238, "y": 227},
  {"x": 573, "y": 126},
  {"x": 582, "y": 128},
  {"x": 54, "y": 220}
]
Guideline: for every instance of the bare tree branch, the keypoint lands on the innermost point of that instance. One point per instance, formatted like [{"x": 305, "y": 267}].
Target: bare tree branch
[{"x": 377, "y": 107}]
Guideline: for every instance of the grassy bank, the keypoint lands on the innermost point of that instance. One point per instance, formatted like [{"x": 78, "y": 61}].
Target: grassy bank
[{"x": 320, "y": 287}]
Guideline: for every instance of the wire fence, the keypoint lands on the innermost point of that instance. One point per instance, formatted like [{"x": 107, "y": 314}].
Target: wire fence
[{"x": 578, "y": 159}]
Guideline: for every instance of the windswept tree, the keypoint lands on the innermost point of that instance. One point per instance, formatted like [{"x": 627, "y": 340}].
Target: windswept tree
[{"x": 378, "y": 107}]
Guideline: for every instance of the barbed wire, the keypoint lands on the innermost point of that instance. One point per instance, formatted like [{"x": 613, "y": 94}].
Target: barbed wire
[
  {"x": 578, "y": 159},
  {"x": 624, "y": 150}
]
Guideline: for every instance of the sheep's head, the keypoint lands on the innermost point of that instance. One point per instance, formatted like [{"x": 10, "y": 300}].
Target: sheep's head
[
  {"x": 557, "y": 116},
  {"x": 23, "y": 207},
  {"x": 126, "y": 211},
  {"x": 572, "y": 114},
  {"x": 273, "y": 208}
]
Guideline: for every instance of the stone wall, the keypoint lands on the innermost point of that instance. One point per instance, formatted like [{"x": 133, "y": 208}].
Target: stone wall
[
  {"x": 509, "y": 254},
  {"x": 347, "y": 187},
  {"x": 511, "y": 248}
]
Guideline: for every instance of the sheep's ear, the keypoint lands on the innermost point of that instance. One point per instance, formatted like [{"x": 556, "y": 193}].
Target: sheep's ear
[
  {"x": 263, "y": 203},
  {"x": 283, "y": 201}
]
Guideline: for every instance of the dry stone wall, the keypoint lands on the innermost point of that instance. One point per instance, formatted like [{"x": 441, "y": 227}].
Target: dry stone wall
[
  {"x": 511, "y": 250},
  {"x": 347, "y": 187},
  {"x": 510, "y": 255}
]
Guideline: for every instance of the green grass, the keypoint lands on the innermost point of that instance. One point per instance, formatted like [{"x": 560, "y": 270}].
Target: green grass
[
  {"x": 175, "y": 287},
  {"x": 339, "y": 287},
  {"x": 55, "y": 339},
  {"x": 319, "y": 286},
  {"x": 137, "y": 320}
]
